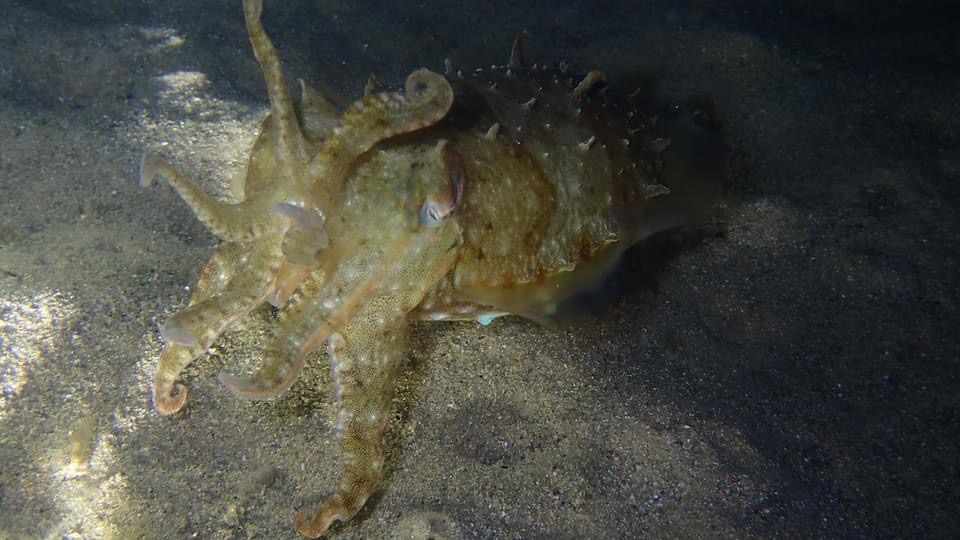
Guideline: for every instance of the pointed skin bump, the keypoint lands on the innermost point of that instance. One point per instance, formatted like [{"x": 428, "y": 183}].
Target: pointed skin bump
[
  {"x": 593, "y": 79},
  {"x": 516, "y": 52}
]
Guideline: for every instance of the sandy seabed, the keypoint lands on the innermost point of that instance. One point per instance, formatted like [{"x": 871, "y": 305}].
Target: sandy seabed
[{"x": 791, "y": 373}]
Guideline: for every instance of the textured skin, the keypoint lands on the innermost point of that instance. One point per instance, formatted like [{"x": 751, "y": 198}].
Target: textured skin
[{"x": 470, "y": 196}]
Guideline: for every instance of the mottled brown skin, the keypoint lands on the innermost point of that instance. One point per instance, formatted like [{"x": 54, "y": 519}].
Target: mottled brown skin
[{"x": 470, "y": 196}]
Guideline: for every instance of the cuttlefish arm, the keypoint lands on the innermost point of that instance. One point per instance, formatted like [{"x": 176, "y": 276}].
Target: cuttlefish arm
[
  {"x": 292, "y": 340},
  {"x": 407, "y": 261},
  {"x": 238, "y": 278},
  {"x": 290, "y": 143},
  {"x": 384, "y": 270},
  {"x": 365, "y": 354},
  {"x": 402, "y": 248},
  {"x": 169, "y": 396},
  {"x": 242, "y": 222},
  {"x": 366, "y": 342},
  {"x": 365, "y": 358},
  {"x": 282, "y": 213},
  {"x": 255, "y": 216}
]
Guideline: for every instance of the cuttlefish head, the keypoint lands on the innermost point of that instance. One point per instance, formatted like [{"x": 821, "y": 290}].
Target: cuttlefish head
[
  {"x": 396, "y": 195},
  {"x": 388, "y": 239}
]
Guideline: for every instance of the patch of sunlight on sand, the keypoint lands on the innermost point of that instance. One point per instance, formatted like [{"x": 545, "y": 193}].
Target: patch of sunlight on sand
[
  {"x": 183, "y": 85},
  {"x": 86, "y": 482},
  {"x": 162, "y": 39},
  {"x": 82, "y": 470},
  {"x": 194, "y": 129},
  {"x": 29, "y": 328},
  {"x": 131, "y": 415}
]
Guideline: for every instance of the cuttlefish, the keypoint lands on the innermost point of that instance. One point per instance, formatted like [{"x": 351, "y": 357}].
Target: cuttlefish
[{"x": 462, "y": 196}]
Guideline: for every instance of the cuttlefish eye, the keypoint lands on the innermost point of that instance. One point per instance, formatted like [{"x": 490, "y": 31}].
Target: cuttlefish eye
[
  {"x": 432, "y": 213},
  {"x": 436, "y": 210}
]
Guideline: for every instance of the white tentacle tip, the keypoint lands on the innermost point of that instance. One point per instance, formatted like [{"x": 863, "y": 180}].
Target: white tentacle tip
[{"x": 148, "y": 169}]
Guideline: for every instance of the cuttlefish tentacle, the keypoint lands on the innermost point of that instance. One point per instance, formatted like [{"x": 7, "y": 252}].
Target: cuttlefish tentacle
[
  {"x": 169, "y": 397},
  {"x": 426, "y": 99},
  {"x": 248, "y": 220},
  {"x": 289, "y": 141},
  {"x": 317, "y": 309},
  {"x": 365, "y": 357},
  {"x": 254, "y": 217},
  {"x": 239, "y": 278},
  {"x": 287, "y": 350}
]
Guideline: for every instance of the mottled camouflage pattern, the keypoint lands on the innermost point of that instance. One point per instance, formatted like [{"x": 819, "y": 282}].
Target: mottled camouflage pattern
[{"x": 463, "y": 196}]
